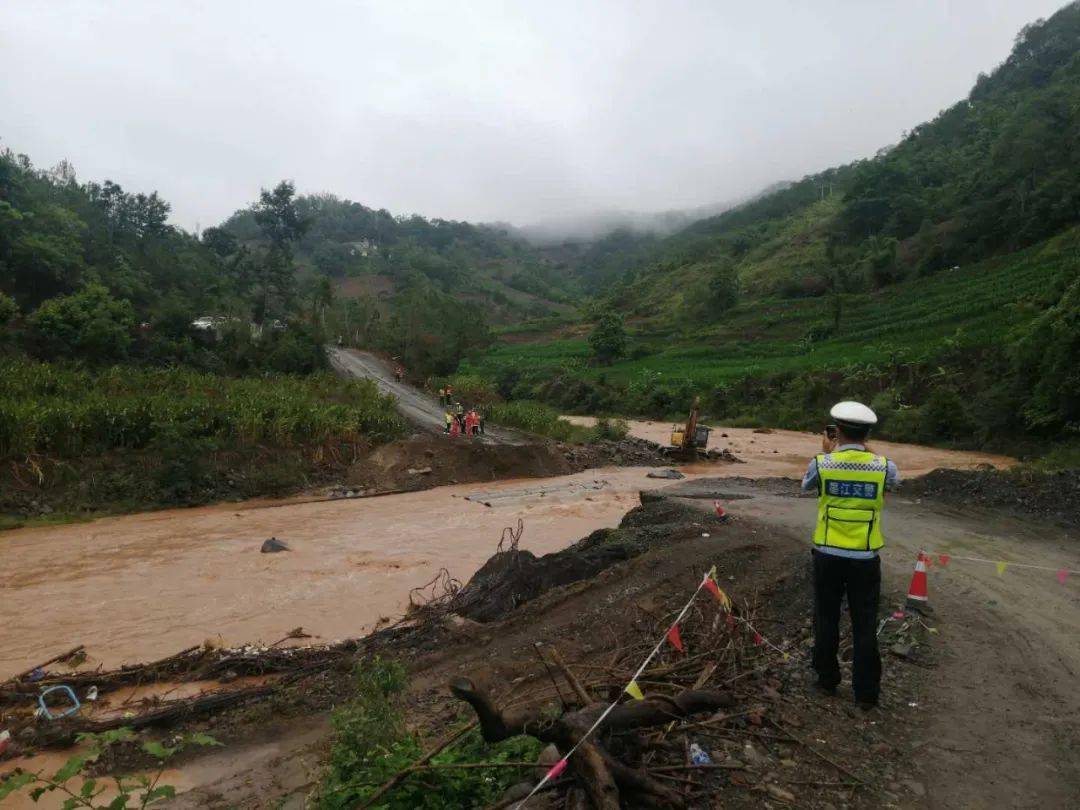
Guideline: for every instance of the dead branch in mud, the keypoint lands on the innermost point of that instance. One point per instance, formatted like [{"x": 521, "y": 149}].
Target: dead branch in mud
[
  {"x": 54, "y": 660},
  {"x": 511, "y": 536},
  {"x": 603, "y": 775},
  {"x": 434, "y": 597}
]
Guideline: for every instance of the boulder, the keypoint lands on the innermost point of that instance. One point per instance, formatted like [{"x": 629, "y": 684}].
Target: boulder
[
  {"x": 672, "y": 474},
  {"x": 273, "y": 545}
]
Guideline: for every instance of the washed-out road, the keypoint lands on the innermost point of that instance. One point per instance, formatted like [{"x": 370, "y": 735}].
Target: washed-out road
[{"x": 416, "y": 406}]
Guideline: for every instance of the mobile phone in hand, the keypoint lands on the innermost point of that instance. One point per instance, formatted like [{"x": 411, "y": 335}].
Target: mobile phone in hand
[{"x": 830, "y": 431}]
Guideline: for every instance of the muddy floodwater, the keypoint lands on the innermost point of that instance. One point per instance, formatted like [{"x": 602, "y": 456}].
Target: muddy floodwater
[
  {"x": 141, "y": 587},
  {"x": 785, "y": 453}
]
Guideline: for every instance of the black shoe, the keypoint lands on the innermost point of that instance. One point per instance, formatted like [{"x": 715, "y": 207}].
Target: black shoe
[
  {"x": 867, "y": 705},
  {"x": 822, "y": 689}
]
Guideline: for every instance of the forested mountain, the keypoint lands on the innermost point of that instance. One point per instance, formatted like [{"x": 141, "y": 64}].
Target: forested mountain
[
  {"x": 937, "y": 279},
  {"x": 996, "y": 172},
  {"x": 486, "y": 264}
]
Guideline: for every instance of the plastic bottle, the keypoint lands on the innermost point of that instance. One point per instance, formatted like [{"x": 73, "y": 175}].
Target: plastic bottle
[{"x": 698, "y": 755}]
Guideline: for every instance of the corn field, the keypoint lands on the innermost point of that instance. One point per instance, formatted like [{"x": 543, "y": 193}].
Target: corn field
[{"x": 67, "y": 411}]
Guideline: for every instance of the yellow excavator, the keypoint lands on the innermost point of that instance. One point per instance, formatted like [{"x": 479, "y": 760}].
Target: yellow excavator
[{"x": 690, "y": 439}]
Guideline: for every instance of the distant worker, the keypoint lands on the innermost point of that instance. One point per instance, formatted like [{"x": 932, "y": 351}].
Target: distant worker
[
  {"x": 399, "y": 372},
  {"x": 455, "y": 426},
  {"x": 459, "y": 412},
  {"x": 449, "y": 394},
  {"x": 472, "y": 423},
  {"x": 850, "y": 481},
  {"x": 480, "y": 420},
  {"x": 449, "y": 419},
  {"x": 442, "y": 396}
]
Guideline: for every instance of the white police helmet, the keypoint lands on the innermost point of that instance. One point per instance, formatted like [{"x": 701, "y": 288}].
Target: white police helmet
[{"x": 854, "y": 414}]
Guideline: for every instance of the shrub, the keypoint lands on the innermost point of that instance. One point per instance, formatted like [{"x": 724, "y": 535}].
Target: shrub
[
  {"x": 535, "y": 417},
  {"x": 371, "y": 745},
  {"x": 90, "y": 325},
  {"x": 610, "y": 430},
  {"x": 8, "y": 309}
]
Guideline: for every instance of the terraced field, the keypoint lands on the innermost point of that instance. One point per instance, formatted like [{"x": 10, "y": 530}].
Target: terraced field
[{"x": 978, "y": 304}]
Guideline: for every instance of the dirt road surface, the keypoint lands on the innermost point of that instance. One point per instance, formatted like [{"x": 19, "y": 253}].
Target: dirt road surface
[
  {"x": 1000, "y": 726},
  {"x": 416, "y": 406}
]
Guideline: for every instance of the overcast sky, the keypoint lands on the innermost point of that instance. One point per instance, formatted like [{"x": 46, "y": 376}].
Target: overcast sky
[{"x": 514, "y": 111}]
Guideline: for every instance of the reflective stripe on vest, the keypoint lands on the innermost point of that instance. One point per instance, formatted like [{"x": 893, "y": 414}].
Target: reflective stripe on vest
[{"x": 851, "y": 496}]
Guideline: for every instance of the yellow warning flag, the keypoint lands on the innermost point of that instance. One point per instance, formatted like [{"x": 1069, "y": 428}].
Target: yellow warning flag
[
  {"x": 1001, "y": 568},
  {"x": 634, "y": 691},
  {"x": 712, "y": 573}
]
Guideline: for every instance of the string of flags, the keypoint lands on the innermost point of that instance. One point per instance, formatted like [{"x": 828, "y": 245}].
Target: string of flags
[
  {"x": 673, "y": 637},
  {"x": 943, "y": 559}
]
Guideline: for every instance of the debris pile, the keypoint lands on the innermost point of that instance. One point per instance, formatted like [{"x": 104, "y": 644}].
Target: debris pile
[
  {"x": 34, "y": 706},
  {"x": 713, "y": 715},
  {"x": 512, "y": 577},
  {"x": 1054, "y": 495}
]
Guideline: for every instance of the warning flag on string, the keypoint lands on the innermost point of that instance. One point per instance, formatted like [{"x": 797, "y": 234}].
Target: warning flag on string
[
  {"x": 675, "y": 639},
  {"x": 634, "y": 691}
]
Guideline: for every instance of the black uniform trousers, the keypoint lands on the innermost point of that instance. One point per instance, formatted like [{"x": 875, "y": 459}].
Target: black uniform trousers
[{"x": 861, "y": 580}]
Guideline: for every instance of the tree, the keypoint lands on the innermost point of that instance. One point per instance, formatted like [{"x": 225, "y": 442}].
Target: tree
[
  {"x": 273, "y": 274},
  {"x": 277, "y": 215},
  {"x": 91, "y": 325},
  {"x": 221, "y": 241},
  {"x": 608, "y": 338},
  {"x": 723, "y": 288},
  {"x": 1044, "y": 358}
]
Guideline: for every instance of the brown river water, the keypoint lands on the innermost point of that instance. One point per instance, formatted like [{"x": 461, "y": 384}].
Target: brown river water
[{"x": 140, "y": 587}]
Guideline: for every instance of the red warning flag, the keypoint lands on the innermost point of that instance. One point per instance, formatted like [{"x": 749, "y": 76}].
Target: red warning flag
[
  {"x": 713, "y": 588},
  {"x": 757, "y": 638},
  {"x": 1062, "y": 573},
  {"x": 943, "y": 559},
  {"x": 675, "y": 639}
]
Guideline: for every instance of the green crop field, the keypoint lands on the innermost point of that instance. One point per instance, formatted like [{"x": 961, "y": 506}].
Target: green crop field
[{"x": 68, "y": 411}]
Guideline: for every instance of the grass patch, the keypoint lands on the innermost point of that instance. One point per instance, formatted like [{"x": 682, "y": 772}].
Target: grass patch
[{"x": 543, "y": 420}]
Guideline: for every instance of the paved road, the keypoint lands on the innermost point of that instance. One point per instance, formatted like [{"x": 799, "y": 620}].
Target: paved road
[{"x": 416, "y": 406}]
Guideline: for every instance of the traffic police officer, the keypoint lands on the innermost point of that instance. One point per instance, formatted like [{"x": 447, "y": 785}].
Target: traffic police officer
[{"x": 850, "y": 482}]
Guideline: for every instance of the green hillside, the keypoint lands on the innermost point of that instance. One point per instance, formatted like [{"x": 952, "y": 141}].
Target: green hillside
[
  {"x": 975, "y": 305},
  {"x": 938, "y": 278},
  {"x": 485, "y": 264}
]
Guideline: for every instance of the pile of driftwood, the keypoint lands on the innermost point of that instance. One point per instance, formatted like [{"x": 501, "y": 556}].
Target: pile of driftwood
[
  {"x": 222, "y": 670},
  {"x": 708, "y": 720}
]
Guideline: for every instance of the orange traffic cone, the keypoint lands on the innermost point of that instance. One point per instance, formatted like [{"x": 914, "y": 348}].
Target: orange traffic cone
[{"x": 917, "y": 598}]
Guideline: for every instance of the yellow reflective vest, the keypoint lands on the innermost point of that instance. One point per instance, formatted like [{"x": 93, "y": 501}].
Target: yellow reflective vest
[{"x": 851, "y": 496}]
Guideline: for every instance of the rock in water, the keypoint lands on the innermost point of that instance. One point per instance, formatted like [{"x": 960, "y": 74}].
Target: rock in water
[
  {"x": 672, "y": 474},
  {"x": 272, "y": 546}
]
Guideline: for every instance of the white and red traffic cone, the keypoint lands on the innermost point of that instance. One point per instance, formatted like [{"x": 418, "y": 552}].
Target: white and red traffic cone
[{"x": 917, "y": 598}]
